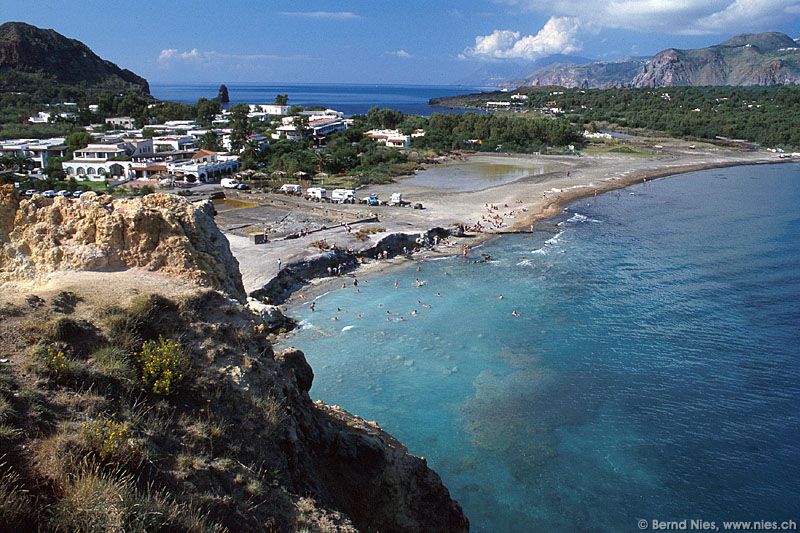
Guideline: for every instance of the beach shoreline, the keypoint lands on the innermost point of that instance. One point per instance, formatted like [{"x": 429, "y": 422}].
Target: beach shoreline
[{"x": 319, "y": 286}]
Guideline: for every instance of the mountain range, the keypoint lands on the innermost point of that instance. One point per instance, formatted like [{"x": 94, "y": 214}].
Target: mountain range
[
  {"x": 769, "y": 58},
  {"x": 32, "y": 57}
]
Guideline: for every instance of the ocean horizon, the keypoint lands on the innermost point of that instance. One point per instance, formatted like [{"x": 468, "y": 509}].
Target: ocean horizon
[
  {"x": 652, "y": 373},
  {"x": 350, "y": 98}
]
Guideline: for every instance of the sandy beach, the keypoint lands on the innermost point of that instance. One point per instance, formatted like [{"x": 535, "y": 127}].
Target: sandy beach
[{"x": 509, "y": 207}]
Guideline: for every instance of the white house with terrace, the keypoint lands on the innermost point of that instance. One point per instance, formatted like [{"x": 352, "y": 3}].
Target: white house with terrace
[
  {"x": 204, "y": 166},
  {"x": 101, "y": 161},
  {"x": 37, "y": 150}
]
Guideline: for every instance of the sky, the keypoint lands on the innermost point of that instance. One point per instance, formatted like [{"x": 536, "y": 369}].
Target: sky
[{"x": 426, "y": 42}]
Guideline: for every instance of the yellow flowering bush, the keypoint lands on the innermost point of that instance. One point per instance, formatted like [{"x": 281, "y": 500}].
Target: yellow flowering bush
[
  {"x": 56, "y": 362},
  {"x": 163, "y": 363},
  {"x": 107, "y": 437}
]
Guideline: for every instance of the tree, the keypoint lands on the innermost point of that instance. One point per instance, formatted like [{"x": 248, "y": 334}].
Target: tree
[
  {"x": 281, "y": 99},
  {"x": 211, "y": 141},
  {"x": 222, "y": 95},
  {"x": 77, "y": 140},
  {"x": 207, "y": 110},
  {"x": 240, "y": 127}
]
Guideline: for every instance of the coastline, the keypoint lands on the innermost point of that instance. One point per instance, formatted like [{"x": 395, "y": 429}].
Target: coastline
[{"x": 319, "y": 286}]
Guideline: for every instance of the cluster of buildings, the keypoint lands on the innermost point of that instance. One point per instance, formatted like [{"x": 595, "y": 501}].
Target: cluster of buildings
[
  {"x": 128, "y": 158},
  {"x": 171, "y": 150},
  {"x": 39, "y": 151}
]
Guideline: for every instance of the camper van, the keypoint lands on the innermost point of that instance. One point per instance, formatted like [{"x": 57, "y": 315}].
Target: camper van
[
  {"x": 317, "y": 194},
  {"x": 289, "y": 188},
  {"x": 343, "y": 196},
  {"x": 229, "y": 183}
]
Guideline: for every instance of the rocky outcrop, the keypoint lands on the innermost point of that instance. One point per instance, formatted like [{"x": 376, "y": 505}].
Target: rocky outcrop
[{"x": 158, "y": 232}]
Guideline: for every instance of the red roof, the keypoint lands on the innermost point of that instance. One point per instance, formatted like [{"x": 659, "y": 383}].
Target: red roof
[{"x": 203, "y": 153}]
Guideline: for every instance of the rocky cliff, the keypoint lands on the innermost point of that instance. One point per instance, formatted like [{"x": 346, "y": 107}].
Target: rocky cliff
[
  {"x": 234, "y": 441},
  {"x": 751, "y": 59},
  {"x": 27, "y": 51},
  {"x": 158, "y": 232}
]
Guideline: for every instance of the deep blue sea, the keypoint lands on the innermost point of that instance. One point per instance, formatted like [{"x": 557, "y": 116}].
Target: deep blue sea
[
  {"x": 653, "y": 372},
  {"x": 351, "y": 99}
]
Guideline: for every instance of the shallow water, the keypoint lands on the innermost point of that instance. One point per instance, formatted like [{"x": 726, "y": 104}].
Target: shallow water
[
  {"x": 654, "y": 372},
  {"x": 473, "y": 175}
]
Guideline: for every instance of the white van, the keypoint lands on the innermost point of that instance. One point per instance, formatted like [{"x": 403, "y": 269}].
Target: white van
[
  {"x": 344, "y": 196},
  {"x": 229, "y": 183},
  {"x": 317, "y": 193},
  {"x": 289, "y": 188}
]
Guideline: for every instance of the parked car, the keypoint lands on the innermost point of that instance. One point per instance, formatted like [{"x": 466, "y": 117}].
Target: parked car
[
  {"x": 397, "y": 199},
  {"x": 77, "y": 193},
  {"x": 229, "y": 183},
  {"x": 30, "y": 192},
  {"x": 49, "y": 193},
  {"x": 372, "y": 200},
  {"x": 65, "y": 194},
  {"x": 243, "y": 187}
]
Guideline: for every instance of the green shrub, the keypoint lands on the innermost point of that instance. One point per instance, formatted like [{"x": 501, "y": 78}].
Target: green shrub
[
  {"x": 57, "y": 364},
  {"x": 114, "y": 362},
  {"x": 109, "y": 438},
  {"x": 163, "y": 365}
]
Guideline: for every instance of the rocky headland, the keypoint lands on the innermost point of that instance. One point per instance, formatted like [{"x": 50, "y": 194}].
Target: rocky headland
[{"x": 139, "y": 392}]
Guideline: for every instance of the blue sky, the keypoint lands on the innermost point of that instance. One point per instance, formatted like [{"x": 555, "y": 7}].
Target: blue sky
[{"x": 381, "y": 41}]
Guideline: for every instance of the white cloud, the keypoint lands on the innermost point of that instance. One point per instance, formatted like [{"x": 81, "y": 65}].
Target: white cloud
[
  {"x": 402, "y": 54},
  {"x": 171, "y": 56},
  {"x": 671, "y": 16},
  {"x": 331, "y": 15},
  {"x": 558, "y": 36}
]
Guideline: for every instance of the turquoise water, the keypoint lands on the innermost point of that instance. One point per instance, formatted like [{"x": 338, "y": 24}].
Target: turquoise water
[{"x": 653, "y": 372}]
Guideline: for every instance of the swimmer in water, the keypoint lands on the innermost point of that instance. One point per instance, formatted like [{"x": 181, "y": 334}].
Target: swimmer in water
[
  {"x": 514, "y": 313},
  {"x": 414, "y": 312},
  {"x": 395, "y": 284},
  {"x": 500, "y": 297},
  {"x": 312, "y": 306}
]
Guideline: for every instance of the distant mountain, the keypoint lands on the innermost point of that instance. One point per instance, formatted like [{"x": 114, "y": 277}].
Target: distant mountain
[
  {"x": 750, "y": 59},
  {"x": 510, "y": 74},
  {"x": 604, "y": 74},
  {"x": 31, "y": 57}
]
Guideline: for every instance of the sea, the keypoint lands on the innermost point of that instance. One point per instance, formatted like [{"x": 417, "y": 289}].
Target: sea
[
  {"x": 351, "y": 99},
  {"x": 652, "y": 372}
]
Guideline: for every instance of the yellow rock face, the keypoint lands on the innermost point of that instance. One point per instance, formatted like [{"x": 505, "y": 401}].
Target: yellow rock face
[{"x": 158, "y": 232}]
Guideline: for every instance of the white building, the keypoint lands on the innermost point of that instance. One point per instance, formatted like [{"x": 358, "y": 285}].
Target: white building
[
  {"x": 205, "y": 166},
  {"x": 45, "y": 117},
  {"x": 391, "y": 138},
  {"x": 256, "y": 140},
  {"x": 100, "y": 161},
  {"x": 264, "y": 111},
  {"x": 37, "y": 150},
  {"x": 125, "y": 123},
  {"x": 173, "y": 143}
]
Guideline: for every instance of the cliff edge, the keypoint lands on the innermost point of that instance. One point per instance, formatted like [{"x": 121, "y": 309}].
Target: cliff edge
[{"x": 125, "y": 409}]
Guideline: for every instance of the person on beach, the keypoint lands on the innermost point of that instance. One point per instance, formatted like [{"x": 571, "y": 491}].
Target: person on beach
[
  {"x": 355, "y": 282},
  {"x": 279, "y": 264}
]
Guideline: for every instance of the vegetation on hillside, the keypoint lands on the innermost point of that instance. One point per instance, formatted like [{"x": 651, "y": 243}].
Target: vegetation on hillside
[{"x": 767, "y": 115}]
